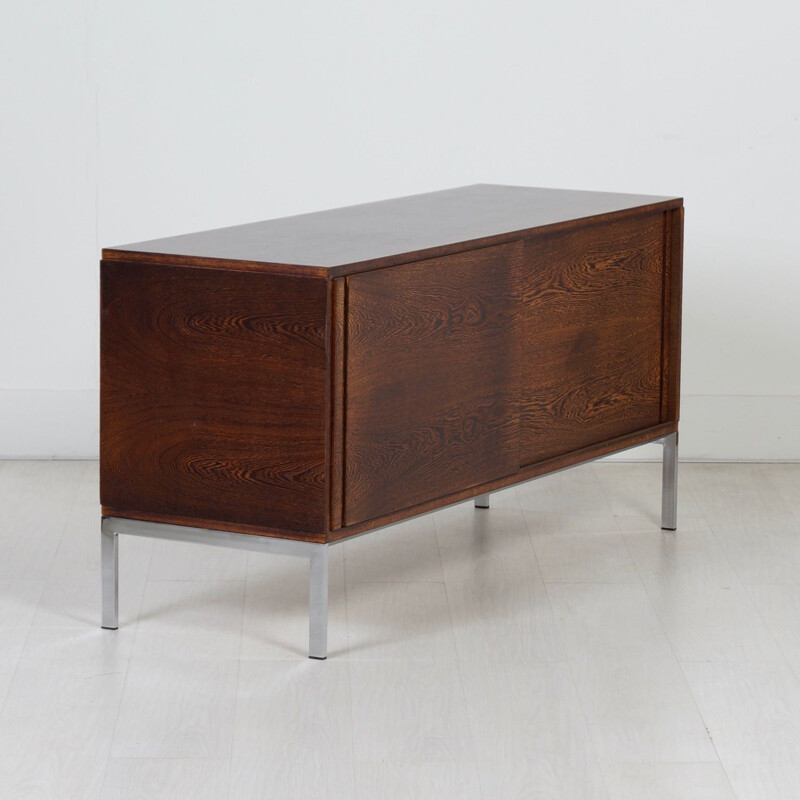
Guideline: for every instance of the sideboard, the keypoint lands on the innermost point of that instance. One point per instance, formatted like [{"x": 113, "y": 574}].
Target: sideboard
[{"x": 284, "y": 385}]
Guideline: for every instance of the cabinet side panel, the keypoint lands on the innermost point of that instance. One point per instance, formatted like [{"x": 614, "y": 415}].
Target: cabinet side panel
[
  {"x": 591, "y": 335},
  {"x": 430, "y": 401},
  {"x": 213, "y": 395}
]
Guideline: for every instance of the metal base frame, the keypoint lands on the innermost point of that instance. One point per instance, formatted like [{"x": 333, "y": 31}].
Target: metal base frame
[{"x": 316, "y": 553}]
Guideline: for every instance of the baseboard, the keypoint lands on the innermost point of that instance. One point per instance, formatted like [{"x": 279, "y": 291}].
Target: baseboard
[
  {"x": 49, "y": 424},
  {"x": 733, "y": 428},
  {"x": 64, "y": 424}
]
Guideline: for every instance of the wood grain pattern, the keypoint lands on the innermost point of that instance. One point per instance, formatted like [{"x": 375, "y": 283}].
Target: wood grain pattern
[
  {"x": 673, "y": 289},
  {"x": 527, "y": 473},
  {"x": 245, "y": 394},
  {"x": 430, "y": 400},
  {"x": 213, "y": 395},
  {"x": 338, "y": 323},
  {"x": 590, "y": 330},
  {"x": 348, "y": 240}
]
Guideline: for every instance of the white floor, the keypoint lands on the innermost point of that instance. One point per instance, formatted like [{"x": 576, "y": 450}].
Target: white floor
[{"x": 559, "y": 645}]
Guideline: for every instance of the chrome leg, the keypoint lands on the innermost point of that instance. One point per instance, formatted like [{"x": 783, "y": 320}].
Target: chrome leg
[
  {"x": 669, "y": 484},
  {"x": 109, "y": 575},
  {"x": 482, "y": 501},
  {"x": 318, "y": 603}
]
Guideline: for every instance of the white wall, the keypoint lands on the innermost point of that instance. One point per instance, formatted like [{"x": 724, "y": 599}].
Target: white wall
[{"x": 133, "y": 120}]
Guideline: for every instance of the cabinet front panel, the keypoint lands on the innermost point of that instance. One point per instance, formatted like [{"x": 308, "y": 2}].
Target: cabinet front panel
[
  {"x": 590, "y": 335},
  {"x": 213, "y": 395},
  {"x": 430, "y": 403}
]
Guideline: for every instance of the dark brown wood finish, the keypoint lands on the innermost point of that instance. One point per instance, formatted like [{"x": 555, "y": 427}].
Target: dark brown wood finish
[
  {"x": 364, "y": 237},
  {"x": 213, "y": 396},
  {"x": 530, "y": 472},
  {"x": 319, "y": 376},
  {"x": 214, "y": 524},
  {"x": 590, "y": 329},
  {"x": 339, "y": 321},
  {"x": 673, "y": 287},
  {"x": 430, "y": 396}
]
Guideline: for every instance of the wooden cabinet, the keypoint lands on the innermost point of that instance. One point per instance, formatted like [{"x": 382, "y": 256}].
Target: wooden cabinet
[{"x": 318, "y": 376}]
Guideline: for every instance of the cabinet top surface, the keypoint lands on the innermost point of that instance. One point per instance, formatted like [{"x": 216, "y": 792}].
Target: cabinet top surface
[{"x": 385, "y": 232}]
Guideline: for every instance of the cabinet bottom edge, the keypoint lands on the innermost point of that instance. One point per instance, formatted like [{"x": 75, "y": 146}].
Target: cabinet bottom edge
[
  {"x": 525, "y": 473},
  {"x": 213, "y": 524}
]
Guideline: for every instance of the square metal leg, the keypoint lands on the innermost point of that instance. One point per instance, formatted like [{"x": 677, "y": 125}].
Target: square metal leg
[
  {"x": 318, "y": 604},
  {"x": 669, "y": 483},
  {"x": 109, "y": 575},
  {"x": 482, "y": 501}
]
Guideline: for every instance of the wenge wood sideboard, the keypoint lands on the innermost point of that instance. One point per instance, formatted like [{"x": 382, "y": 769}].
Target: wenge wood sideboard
[{"x": 287, "y": 384}]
